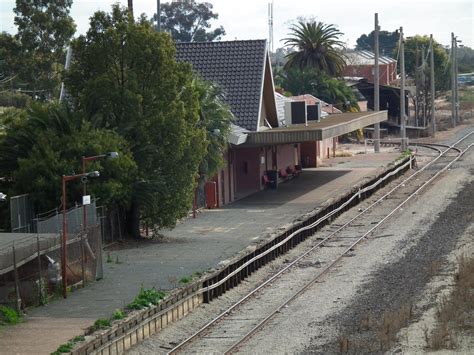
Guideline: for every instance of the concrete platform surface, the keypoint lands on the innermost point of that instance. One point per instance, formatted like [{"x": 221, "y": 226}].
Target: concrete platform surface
[{"x": 198, "y": 245}]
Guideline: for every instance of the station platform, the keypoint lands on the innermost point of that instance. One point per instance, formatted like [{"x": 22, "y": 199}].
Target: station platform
[{"x": 194, "y": 245}]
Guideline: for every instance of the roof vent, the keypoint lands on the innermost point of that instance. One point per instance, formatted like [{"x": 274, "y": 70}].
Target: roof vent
[
  {"x": 295, "y": 113},
  {"x": 313, "y": 112}
]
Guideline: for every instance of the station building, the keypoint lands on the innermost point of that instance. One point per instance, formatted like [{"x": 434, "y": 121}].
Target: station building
[{"x": 271, "y": 137}]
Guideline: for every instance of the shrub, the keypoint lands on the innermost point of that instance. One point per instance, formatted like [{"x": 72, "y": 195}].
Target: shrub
[
  {"x": 118, "y": 314},
  {"x": 146, "y": 298},
  {"x": 15, "y": 99}
]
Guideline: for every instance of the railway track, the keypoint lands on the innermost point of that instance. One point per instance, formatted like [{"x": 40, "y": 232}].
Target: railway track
[{"x": 233, "y": 327}]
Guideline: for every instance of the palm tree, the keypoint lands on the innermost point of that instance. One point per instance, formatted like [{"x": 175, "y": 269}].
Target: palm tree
[{"x": 315, "y": 45}]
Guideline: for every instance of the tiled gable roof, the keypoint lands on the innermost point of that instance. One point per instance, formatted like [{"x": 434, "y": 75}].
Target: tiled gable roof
[{"x": 237, "y": 66}]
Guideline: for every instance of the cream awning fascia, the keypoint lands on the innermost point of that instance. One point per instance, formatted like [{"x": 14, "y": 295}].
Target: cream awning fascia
[{"x": 333, "y": 126}]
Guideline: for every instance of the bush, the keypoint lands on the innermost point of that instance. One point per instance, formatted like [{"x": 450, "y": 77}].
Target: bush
[
  {"x": 8, "y": 315},
  {"x": 118, "y": 314},
  {"x": 146, "y": 298},
  {"x": 100, "y": 324},
  {"x": 15, "y": 99}
]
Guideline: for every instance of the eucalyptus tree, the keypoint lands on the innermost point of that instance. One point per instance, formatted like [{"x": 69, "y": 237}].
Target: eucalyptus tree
[
  {"x": 190, "y": 21},
  {"x": 44, "y": 29}
]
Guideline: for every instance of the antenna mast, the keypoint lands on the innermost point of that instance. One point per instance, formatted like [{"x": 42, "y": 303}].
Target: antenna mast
[{"x": 270, "y": 26}]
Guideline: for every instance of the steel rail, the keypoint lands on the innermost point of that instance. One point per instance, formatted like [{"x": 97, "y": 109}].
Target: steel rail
[
  {"x": 349, "y": 249},
  {"x": 433, "y": 145},
  {"x": 205, "y": 327}
]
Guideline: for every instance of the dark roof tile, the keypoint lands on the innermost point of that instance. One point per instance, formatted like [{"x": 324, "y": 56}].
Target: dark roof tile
[{"x": 237, "y": 66}]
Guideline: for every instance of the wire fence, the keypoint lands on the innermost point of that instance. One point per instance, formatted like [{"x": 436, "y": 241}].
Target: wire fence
[{"x": 30, "y": 265}]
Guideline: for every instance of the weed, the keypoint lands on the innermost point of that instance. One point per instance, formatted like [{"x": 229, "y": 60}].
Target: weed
[
  {"x": 78, "y": 338},
  {"x": 366, "y": 323},
  {"x": 454, "y": 313},
  {"x": 109, "y": 258},
  {"x": 100, "y": 324},
  {"x": 43, "y": 286},
  {"x": 118, "y": 314},
  {"x": 185, "y": 279},
  {"x": 146, "y": 298},
  {"x": 173, "y": 280},
  {"x": 343, "y": 154},
  {"x": 343, "y": 344},
  {"x": 64, "y": 348},
  {"x": 403, "y": 155},
  {"x": 8, "y": 315}
]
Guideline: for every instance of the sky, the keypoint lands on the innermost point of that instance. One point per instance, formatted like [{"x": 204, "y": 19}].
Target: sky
[{"x": 248, "y": 19}]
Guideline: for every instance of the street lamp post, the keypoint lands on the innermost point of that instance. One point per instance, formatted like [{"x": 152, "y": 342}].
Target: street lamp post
[
  {"x": 65, "y": 179},
  {"x": 110, "y": 155}
]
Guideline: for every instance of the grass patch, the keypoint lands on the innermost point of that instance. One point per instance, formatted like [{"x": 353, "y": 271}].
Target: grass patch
[
  {"x": 147, "y": 298},
  {"x": 381, "y": 332},
  {"x": 8, "y": 316}
]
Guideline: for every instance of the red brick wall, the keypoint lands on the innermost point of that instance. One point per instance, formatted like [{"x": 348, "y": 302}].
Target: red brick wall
[{"x": 387, "y": 72}]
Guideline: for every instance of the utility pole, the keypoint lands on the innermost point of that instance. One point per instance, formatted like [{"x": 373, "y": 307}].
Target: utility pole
[
  {"x": 402, "y": 92},
  {"x": 158, "y": 16},
  {"x": 376, "y": 84},
  {"x": 432, "y": 84},
  {"x": 456, "y": 89},
  {"x": 423, "y": 86},
  {"x": 130, "y": 7},
  {"x": 453, "y": 81}
]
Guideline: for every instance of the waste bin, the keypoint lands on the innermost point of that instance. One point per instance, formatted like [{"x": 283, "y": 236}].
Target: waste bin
[{"x": 273, "y": 177}]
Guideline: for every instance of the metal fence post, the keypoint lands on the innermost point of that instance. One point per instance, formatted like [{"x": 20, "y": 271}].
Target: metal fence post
[
  {"x": 83, "y": 266},
  {"x": 17, "y": 282},
  {"x": 40, "y": 275}
]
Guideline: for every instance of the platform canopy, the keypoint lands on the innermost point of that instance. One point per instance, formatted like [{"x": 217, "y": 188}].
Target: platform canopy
[{"x": 332, "y": 126}]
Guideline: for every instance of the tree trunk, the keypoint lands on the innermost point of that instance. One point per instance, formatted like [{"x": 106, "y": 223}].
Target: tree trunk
[{"x": 133, "y": 221}]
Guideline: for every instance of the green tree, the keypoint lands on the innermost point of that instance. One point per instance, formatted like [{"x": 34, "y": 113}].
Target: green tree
[
  {"x": 9, "y": 51},
  {"x": 43, "y": 143},
  {"x": 320, "y": 85},
  {"x": 414, "y": 60},
  {"x": 315, "y": 45},
  {"x": 388, "y": 42},
  {"x": 44, "y": 30},
  {"x": 465, "y": 57},
  {"x": 215, "y": 116},
  {"x": 190, "y": 21},
  {"x": 125, "y": 77}
]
